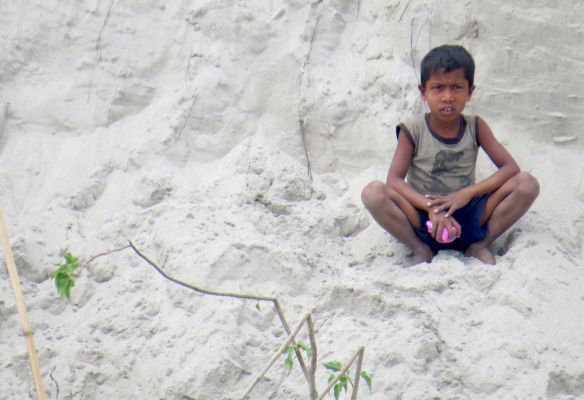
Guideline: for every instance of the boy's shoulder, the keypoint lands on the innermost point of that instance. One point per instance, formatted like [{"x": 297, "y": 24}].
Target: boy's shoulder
[{"x": 417, "y": 125}]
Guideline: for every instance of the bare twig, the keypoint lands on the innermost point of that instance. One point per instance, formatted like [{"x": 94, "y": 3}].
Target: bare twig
[
  {"x": 275, "y": 301},
  {"x": 412, "y": 49},
  {"x": 310, "y": 46},
  {"x": 56, "y": 383},
  {"x": 302, "y": 124},
  {"x": 195, "y": 288},
  {"x": 358, "y": 374},
  {"x": 188, "y": 115},
  {"x": 358, "y": 353},
  {"x": 105, "y": 253},
  {"x": 404, "y": 11},
  {"x": 98, "y": 43},
  {"x": 313, "y": 360},
  {"x": 302, "y": 119}
]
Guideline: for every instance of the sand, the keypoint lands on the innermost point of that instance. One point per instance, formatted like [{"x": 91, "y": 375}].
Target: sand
[{"x": 176, "y": 126}]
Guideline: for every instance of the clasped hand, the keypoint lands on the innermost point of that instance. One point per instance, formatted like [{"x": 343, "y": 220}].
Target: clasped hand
[
  {"x": 440, "y": 222},
  {"x": 440, "y": 213},
  {"x": 448, "y": 203}
]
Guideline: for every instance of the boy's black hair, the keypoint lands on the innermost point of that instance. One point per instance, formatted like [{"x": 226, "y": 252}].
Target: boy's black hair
[{"x": 447, "y": 58}]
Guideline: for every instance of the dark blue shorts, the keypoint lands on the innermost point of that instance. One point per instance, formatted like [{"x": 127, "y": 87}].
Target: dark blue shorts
[{"x": 469, "y": 218}]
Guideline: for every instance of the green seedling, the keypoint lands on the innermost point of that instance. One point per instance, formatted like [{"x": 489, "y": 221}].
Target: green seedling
[
  {"x": 65, "y": 275},
  {"x": 343, "y": 382},
  {"x": 289, "y": 361}
]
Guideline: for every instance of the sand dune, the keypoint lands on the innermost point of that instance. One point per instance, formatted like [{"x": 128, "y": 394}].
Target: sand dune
[{"x": 177, "y": 126}]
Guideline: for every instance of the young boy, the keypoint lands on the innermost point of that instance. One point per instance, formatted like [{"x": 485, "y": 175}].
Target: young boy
[{"x": 432, "y": 174}]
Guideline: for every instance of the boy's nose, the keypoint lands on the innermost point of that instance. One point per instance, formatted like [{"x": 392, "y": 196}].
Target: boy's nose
[{"x": 447, "y": 95}]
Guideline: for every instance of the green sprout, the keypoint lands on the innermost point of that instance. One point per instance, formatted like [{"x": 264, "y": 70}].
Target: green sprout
[
  {"x": 65, "y": 275},
  {"x": 290, "y": 350},
  {"x": 343, "y": 382}
]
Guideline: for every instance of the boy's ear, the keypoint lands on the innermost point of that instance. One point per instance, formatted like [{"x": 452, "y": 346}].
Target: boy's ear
[
  {"x": 422, "y": 90},
  {"x": 470, "y": 91}
]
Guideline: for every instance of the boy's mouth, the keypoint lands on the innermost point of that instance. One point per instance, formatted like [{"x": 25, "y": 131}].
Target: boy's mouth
[{"x": 447, "y": 109}]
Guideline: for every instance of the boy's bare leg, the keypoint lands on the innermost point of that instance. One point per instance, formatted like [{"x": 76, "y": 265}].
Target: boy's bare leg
[
  {"x": 503, "y": 209},
  {"x": 393, "y": 212}
]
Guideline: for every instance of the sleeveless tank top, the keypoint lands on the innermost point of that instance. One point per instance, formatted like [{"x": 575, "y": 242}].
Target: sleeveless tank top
[{"x": 441, "y": 166}]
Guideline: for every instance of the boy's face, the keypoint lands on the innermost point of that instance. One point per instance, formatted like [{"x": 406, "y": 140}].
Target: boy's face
[{"x": 447, "y": 94}]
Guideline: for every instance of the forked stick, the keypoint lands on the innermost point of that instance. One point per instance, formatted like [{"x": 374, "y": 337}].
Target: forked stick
[{"x": 26, "y": 329}]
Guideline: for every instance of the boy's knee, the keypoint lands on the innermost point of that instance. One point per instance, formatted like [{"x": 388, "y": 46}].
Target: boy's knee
[
  {"x": 373, "y": 193},
  {"x": 528, "y": 185}
]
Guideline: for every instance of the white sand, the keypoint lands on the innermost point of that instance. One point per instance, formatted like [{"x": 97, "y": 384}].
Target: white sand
[{"x": 177, "y": 127}]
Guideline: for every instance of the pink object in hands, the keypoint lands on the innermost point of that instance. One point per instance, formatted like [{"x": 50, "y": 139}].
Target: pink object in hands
[{"x": 445, "y": 235}]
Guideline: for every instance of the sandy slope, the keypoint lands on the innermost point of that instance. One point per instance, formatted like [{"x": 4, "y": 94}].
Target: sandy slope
[{"x": 176, "y": 126}]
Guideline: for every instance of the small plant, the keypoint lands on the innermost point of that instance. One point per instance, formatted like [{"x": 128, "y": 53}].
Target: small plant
[
  {"x": 65, "y": 275},
  {"x": 65, "y": 280},
  {"x": 343, "y": 380},
  {"x": 290, "y": 351}
]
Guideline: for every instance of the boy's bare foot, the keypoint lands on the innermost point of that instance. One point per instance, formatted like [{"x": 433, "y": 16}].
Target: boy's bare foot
[
  {"x": 481, "y": 252},
  {"x": 422, "y": 255}
]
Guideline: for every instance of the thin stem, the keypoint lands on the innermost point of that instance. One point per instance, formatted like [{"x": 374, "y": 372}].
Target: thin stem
[
  {"x": 56, "y": 383},
  {"x": 302, "y": 119},
  {"x": 188, "y": 115},
  {"x": 105, "y": 253},
  {"x": 313, "y": 360},
  {"x": 358, "y": 374},
  {"x": 195, "y": 288}
]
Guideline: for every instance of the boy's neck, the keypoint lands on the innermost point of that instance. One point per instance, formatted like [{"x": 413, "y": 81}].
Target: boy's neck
[{"x": 445, "y": 129}]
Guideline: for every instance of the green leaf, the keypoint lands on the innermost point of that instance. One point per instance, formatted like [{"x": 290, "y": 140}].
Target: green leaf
[
  {"x": 367, "y": 378},
  {"x": 289, "y": 361},
  {"x": 331, "y": 378},
  {"x": 335, "y": 366},
  {"x": 344, "y": 380},
  {"x": 64, "y": 275},
  {"x": 306, "y": 348},
  {"x": 70, "y": 259},
  {"x": 64, "y": 282},
  {"x": 258, "y": 307},
  {"x": 337, "y": 390}
]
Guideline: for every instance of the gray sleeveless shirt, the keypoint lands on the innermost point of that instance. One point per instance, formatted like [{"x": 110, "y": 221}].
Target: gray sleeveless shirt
[{"x": 438, "y": 165}]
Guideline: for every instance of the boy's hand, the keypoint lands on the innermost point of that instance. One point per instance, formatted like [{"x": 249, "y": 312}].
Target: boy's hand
[
  {"x": 449, "y": 203},
  {"x": 441, "y": 221}
]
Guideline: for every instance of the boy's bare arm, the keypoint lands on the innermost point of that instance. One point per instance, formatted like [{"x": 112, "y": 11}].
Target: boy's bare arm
[
  {"x": 507, "y": 168},
  {"x": 398, "y": 170}
]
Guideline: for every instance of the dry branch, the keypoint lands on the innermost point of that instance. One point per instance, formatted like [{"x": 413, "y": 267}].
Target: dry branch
[
  {"x": 21, "y": 307},
  {"x": 98, "y": 44},
  {"x": 275, "y": 301},
  {"x": 188, "y": 115},
  {"x": 302, "y": 119},
  {"x": 105, "y": 253}
]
